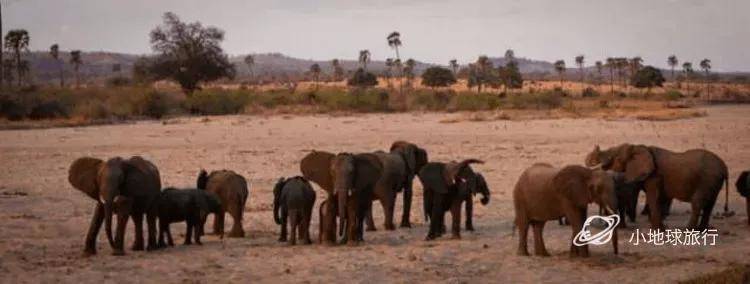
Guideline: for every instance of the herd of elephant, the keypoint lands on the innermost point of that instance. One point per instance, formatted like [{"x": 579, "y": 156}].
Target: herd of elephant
[{"x": 611, "y": 178}]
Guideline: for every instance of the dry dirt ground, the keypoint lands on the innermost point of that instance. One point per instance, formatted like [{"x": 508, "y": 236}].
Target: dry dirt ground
[{"x": 43, "y": 220}]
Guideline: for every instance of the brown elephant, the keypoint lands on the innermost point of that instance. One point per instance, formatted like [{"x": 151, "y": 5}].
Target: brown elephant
[
  {"x": 129, "y": 188},
  {"x": 446, "y": 187},
  {"x": 694, "y": 176},
  {"x": 545, "y": 193},
  {"x": 233, "y": 191},
  {"x": 743, "y": 187},
  {"x": 349, "y": 180},
  {"x": 293, "y": 202},
  {"x": 391, "y": 181},
  {"x": 415, "y": 158}
]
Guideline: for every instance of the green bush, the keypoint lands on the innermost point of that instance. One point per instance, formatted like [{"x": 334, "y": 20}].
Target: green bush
[
  {"x": 216, "y": 102},
  {"x": 474, "y": 102},
  {"x": 673, "y": 95},
  {"x": 543, "y": 100}
]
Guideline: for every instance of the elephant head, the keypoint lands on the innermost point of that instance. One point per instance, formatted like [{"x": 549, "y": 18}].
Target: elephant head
[
  {"x": 202, "y": 179},
  {"x": 483, "y": 189},
  {"x": 581, "y": 186},
  {"x": 444, "y": 179},
  {"x": 635, "y": 161},
  {"x": 414, "y": 156},
  {"x": 277, "y": 199},
  {"x": 351, "y": 173},
  {"x": 604, "y": 159}
]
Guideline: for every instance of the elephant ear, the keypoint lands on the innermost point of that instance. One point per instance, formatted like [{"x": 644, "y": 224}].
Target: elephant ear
[
  {"x": 421, "y": 157},
  {"x": 316, "y": 167},
  {"x": 639, "y": 164},
  {"x": 432, "y": 176},
  {"x": 368, "y": 169},
  {"x": 83, "y": 175},
  {"x": 202, "y": 180},
  {"x": 456, "y": 170},
  {"x": 571, "y": 182},
  {"x": 743, "y": 184},
  {"x": 592, "y": 159},
  {"x": 279, "y": 186}
]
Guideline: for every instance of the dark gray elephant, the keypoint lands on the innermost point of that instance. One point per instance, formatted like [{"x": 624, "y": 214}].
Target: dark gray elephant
[
  {"x": 694, "y": 176},
  {"x": 390, "y": 183},
  {"x": 129, "y": 188},
  {"x": 743, "y": 187},
  {"x": 415, "y": 158},
  {"x": 233, "y": 191},
  {"x": 189, "y": 205},
  {"x": 446, "y": 186},
  {"x": 293, "y": 202},
  {"x": 349, "y": 180}
]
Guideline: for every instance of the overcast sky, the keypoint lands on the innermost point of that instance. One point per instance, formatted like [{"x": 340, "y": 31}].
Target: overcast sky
[{"x": 432, "y": 30}]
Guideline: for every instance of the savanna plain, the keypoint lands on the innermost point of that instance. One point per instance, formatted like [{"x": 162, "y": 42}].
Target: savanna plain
[{"x": 44, "y": 220}]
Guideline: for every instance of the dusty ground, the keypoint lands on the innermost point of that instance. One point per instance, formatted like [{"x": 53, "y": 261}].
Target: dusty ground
[{"x": 44, "y": 220}]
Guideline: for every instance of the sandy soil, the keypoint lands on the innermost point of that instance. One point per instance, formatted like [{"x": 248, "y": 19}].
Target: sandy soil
[{"x": 44, "y": 219}]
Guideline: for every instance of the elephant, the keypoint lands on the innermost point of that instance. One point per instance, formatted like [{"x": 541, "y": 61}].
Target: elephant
[
  {"x": 233, "y": 191},
  {"x": 627, "y": 192},
  {"x": 694, "y": 176},
  {"x": 293, "y": 202},
  {"x": 391, "y": 181},
  {"x": 627, "y": 196},
  {"x": 349, "y": 179},
  {"x": 544, "y": 193},
  {"x": 415, "y": 158},
  {"x": 189, "y": 205},
  {"x": 129, "y": 188},
  {"x": 446, "y": 186},
  {"x": 743, "y": 187}
]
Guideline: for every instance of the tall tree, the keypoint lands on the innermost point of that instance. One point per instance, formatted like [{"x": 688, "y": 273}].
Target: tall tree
[
  {"x": 706, "y": 67},
  {"x": 394, "y": 41},
  {"x": 599, "y": 68},
  {"x": 687, "y": 68},
  {"x": 409, "y": 67},
  {"x": 54, "y": 51},
  {"x": 18, "y": 42},
  {"x": 250, "y": 62},
  {"x": 75, "y": 59},
  {"x": 189, "y": 53},
  {"x": 510, "y": 56},
  {"x": 454, "y": 66},
  {"x": 673, "y": 62},
  {"x": 338, "y": 71},
  {"x": 480, "y": 73},
  {"x": 560, "y": 68},
  {"x": 364, "y": 58},
  {"x": 388, "y": 70},
  {"x": 580, "y": 62},
  {"x": 611, "y": 65},
  {"x": 315, "y": 71}
]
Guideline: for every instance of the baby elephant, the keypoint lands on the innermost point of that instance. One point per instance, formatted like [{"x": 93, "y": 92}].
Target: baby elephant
[
  {"x": 189, "y": 205},
  {"x": 293, "y": 201}
]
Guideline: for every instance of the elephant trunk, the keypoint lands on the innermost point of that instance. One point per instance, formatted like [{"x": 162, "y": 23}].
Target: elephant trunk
[
  {"x": 610, "y": 211},
  {"x": 276, "y": 206},
  {"x": 485, "y": 198},
  {"x": 342, "y": 211}
]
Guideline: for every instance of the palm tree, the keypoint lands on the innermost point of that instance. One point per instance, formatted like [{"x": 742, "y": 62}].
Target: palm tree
[
  {"x": 454, "y": 65},
  {"x": 706, "y": 66},
  {"x": 75, "y": 59},
  {"x": 54, "y": 51},
  {"x": 635, "y": 64},
  {"x": 599, "y": 68},
  {"x": 560, "y": 68},
  {"x": 580, "y": 62},
  {"x": 409, "y": 66},
  {"x": 315, "y": 71},
  {"x": 364, "y": 58},
  {"x": 338, "y": 72},
  {"x": 394, "y": 41},
  {"x": 687, "y": 67},
  {"x": 388, "y": 70},
  {"x": 250, "y": 61},
  {"x": 673, "y": 62},
  {"x": 611, "y": 65},
  {"x": 622, "y": 64},
  {"x": 17, "y": 41}
]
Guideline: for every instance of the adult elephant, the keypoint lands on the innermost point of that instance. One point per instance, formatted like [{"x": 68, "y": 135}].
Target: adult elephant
[
  {"x": 445, "y": 188},
  {"x": 349, "y": 179},
  {"x": 233, "y": 191},
  {"x": 694, "y": 176},
  {"x": 544, "y": 193},
  {"x": 743, "y": 187},
  {"x": 415, "y": 158},
  {"x": 391, "y": 181},
  {"x": 129, "y": 188},
  {"x": 627, "y": 192}
]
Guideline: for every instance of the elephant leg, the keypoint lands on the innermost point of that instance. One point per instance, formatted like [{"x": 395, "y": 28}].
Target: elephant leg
[
  {"x": 219, "y": 223},
  {"x": 189, "y": 232},
  {"x": 197, "y": 230},
  {"x": 294, "y": 223},
  {"x": 539, "y": 249},
  {"x": 284, "y": 223},
  {"x": 363, "y": 204},
  {"x": 388, "y": 210},
  {"x": 427, "y": 200},
  {"x": 470, "y": 213},
  {"x": 370, "y": 222},
  {"x": 652, "y": 198},
  {"x": 306, "y": 227},
  {"x": 575, "y": 217},
  {"x": 456, "y": 219},
  {"x": 707, "y": 208},
  {"x": 237, "y": 231},
  {"x": 523, "y": 231},
  {"x": 124, "y": 207},
  {"x": 436, "y": 217},
  {"x": 405, "y": 216},
  {"x": 151, "y": 223},
  {"x": 138, "y": 241},
  {"x": 162, "y": 233},
  {"x": 170, "y": 240},
  {"x": 96, "y": 223},
  {"x": 352, "y": 231}
]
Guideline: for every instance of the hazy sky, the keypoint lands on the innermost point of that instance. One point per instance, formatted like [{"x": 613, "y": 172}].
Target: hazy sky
[{"x": 432, "y": 30}]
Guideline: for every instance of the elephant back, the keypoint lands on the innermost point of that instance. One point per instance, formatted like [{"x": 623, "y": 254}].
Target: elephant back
[
  {"x": 83, "y": 175},
  {"x": 149, "y": 171},
  {"x": 226, "y": 183}
]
